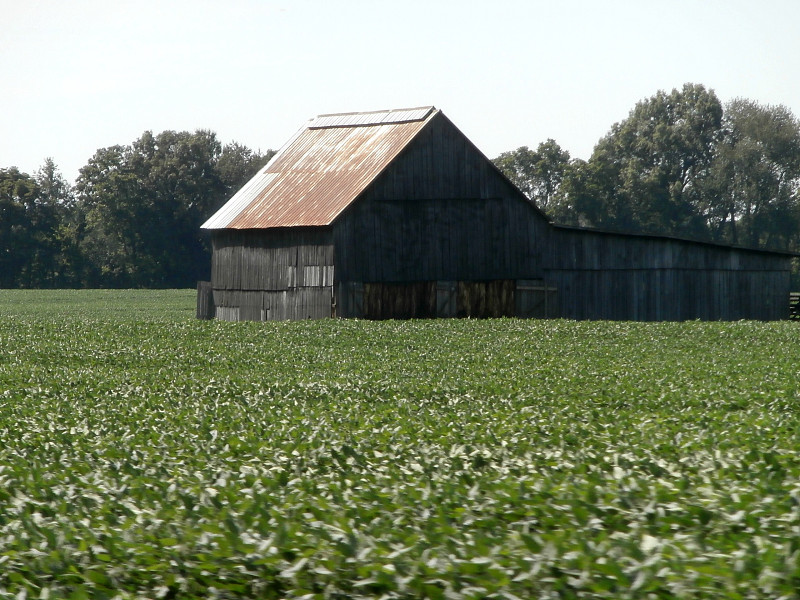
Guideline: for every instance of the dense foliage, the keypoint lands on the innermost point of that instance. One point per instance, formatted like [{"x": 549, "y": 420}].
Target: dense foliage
[
  {"x": 145, "y": 454},
  {"x": 33, "y": 217},
  {"x": 132, "y": 220},
  {"x": 680, "y": 164},
  {"x": 537, "y": 173}
]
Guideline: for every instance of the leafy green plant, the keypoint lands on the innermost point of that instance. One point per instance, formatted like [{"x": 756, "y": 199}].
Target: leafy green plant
[{"x": 147, "y": 454}]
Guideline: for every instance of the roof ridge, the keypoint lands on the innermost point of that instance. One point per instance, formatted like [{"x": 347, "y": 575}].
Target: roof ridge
[
  {"x": 372, "y": 112},
  {"x": 366, "y": 119}
]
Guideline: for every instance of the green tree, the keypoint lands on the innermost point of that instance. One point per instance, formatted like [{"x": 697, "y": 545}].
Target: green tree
[
  {"x": 180, "y": 185},
  {"x": 654, "y": 166},
  {"x": 52, "y": 263},
  {"x": 538, "y": 174},
  {"x": 30, "y": 210},
  {"x": 141, "y": 206},
  {"x": 757, "y": 177},
  {"x": 587, "y": 198},
  {"x": 17, "y": 192},
  {"x": 112, "y": 220},
  {"x": 237, "y": 164}
]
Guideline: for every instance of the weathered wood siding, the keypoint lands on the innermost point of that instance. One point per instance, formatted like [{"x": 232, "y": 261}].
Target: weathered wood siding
[
  {"x": 645, "y": 278},
  {"x": 281, "y": 305},
  {"x": 441, "y": 212},
  {"x": 535, "y": 299},
  {"x": 205, "y": 300},
  {"x": 431, "y": 299},
  {"x": 431, "y": 240},
  {"x": 274, "y": 274}
]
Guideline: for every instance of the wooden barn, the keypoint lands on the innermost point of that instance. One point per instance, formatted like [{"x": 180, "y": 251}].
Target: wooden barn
[{"x": 396, "y": 214}]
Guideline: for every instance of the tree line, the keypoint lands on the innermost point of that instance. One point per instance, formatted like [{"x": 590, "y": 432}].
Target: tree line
[
  {"x": 132, "y": 219},
  {"x": 681, "y": 164}
]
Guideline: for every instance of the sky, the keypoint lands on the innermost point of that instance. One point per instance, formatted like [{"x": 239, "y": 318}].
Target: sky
[{"x": 82, "y": 75}]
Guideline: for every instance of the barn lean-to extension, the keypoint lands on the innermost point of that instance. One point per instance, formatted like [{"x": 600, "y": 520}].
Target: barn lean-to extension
[{"x": 396, "y": 214}]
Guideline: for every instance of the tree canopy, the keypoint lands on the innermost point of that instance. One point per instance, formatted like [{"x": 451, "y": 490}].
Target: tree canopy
[
  {"x": 680, "y": 164},
  {"x": 132, "y": 220},
  {"x": 32, "y": 211},
  {"x": 757, "y": 177},
  {"x": 538, "y": 173}
]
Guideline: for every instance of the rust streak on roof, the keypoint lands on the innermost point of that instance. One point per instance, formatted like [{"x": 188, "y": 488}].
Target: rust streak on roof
[{"x": 321, "y": 170}]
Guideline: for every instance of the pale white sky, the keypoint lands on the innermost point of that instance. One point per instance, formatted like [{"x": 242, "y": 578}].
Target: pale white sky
[{"x": 80, "y": 75}]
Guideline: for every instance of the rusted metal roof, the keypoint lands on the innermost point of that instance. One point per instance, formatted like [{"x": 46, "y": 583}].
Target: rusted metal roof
[{"x": 322, "y": 169}]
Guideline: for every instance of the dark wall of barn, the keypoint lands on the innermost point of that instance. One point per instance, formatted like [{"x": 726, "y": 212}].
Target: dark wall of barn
[
  {"x": 628, "y": 277},
  {"x": 273, "y": 274},
  {"x": 441, "y": 212}
]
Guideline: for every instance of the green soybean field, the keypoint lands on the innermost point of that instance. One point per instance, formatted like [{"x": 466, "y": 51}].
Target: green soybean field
[{"x": 146, "y": 454}]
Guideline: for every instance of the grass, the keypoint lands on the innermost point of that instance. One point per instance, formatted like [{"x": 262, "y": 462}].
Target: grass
[{"x": 144, "y": 453}]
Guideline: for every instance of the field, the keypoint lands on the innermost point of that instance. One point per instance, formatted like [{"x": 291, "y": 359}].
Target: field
[{"x": 145, "y": 454}]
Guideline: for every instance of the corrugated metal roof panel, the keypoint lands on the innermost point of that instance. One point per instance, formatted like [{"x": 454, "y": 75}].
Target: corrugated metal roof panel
[{"x": 321, "y": 170}]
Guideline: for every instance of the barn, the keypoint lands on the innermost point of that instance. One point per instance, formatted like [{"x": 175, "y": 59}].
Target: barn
[{"x": 396, "y": 214}]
